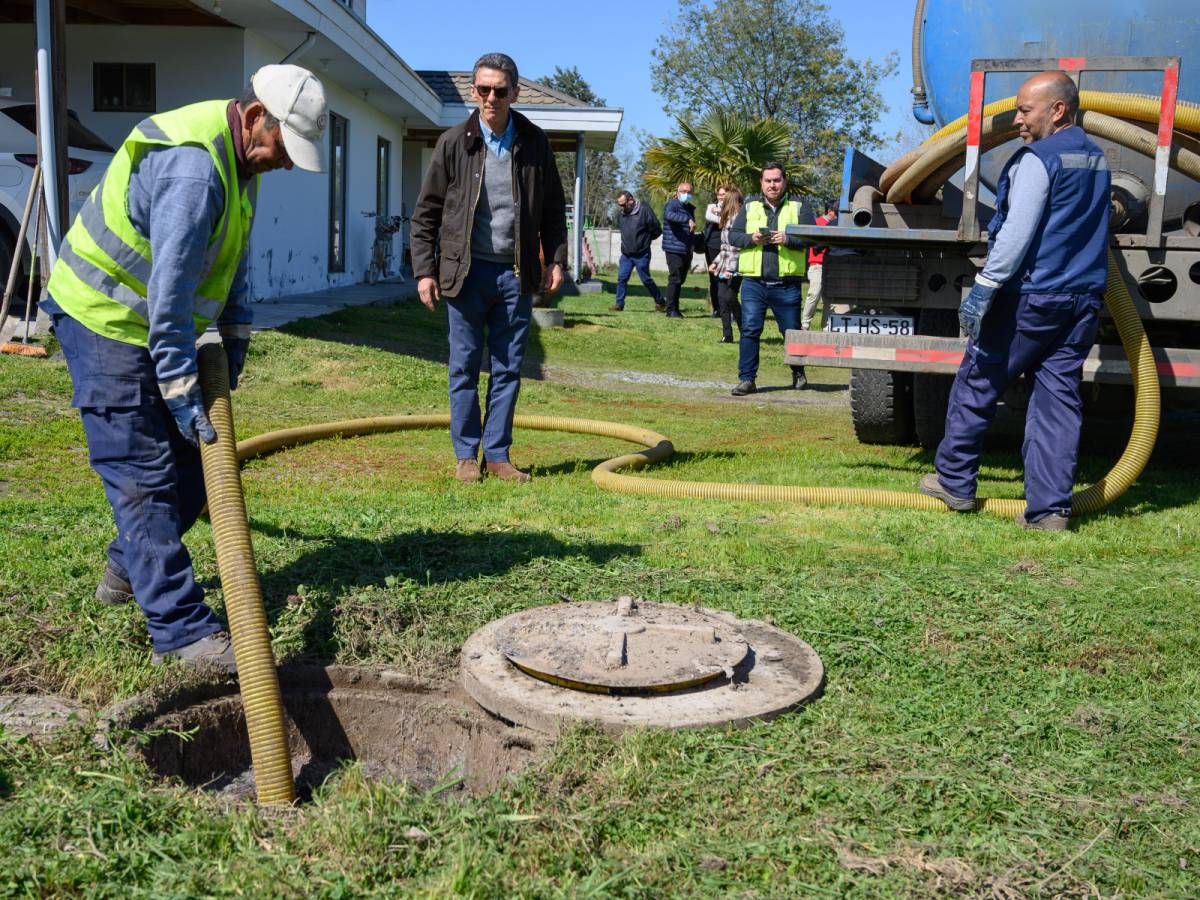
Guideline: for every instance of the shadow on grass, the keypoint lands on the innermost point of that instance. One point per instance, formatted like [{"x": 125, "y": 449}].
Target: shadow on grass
[{"x": 679, "y": 457}]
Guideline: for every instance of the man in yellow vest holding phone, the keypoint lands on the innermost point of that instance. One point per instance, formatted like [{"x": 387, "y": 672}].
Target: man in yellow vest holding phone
[
  {"x": 772, "y": 266},
  {"x": 155, "y": 256}
]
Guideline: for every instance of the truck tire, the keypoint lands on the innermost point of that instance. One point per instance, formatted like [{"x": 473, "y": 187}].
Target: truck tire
[
  {"x": 881, "y": 406},
  {"x": 931, "y": 393}
]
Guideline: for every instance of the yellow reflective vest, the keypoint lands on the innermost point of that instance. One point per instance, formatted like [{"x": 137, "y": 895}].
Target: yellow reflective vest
[
  {"x": 791, "y": 262},
  {"x": 104, "y": 263}
]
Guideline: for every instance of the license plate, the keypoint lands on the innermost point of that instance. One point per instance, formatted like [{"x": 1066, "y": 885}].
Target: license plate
[{"x": 894, "y": 326}]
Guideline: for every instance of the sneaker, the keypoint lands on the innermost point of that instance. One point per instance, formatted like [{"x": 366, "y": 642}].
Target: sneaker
[
  {"x": 799, "y": 379},
  {"x": 931, "y": 486},
  {"x": 725, "y": 340},
  {"x": 506, "y": 471},
  {"x": 113, "y": 590},
  {"x": 744, "y": 388},
  {"x": 660, "y": 307},
  {"x": 674, "y": 314},
  {"x": 467, "y": 471},
  {"x": 213, "y": 653},
  {"x": 716, "y": 314},
  {"x": 1052, "y": 522}
]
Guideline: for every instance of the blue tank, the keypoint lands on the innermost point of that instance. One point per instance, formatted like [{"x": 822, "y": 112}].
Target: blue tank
[{"x": 958, "y": 31}]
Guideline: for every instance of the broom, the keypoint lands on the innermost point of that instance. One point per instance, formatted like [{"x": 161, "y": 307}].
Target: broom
[{"x": 24, "y": 347}]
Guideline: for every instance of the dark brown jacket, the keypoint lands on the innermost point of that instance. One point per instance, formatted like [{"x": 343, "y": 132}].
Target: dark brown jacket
[{"x": 441, "y": 223}]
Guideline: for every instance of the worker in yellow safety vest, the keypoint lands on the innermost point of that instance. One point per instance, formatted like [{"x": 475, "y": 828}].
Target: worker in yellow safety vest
[
  {"x": 772, "y": 266},
  {"x": 155, "y": 256}
]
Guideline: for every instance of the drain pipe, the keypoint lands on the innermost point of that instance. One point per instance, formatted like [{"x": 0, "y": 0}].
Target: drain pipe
[
  {"x": 46, "y": 132},
  {"x": 304, "y": 46},
  {"x": 921, "y": 111}
]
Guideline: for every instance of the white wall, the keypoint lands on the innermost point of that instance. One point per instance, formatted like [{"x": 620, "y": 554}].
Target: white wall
[
  {"x": 190, "y": 64},
  {"x": 289, "y": 244}
]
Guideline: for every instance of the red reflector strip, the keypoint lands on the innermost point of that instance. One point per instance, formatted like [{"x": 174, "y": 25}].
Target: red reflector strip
[
  {"x": 975, "y": 110},
  {"x": 1072, "y": 63},
  {"x": 1179, "y": 370},
  {"x": 830, "y": 350},
  {"x": 1166, "y": 113},
  {"x": 949, "y": 357}
]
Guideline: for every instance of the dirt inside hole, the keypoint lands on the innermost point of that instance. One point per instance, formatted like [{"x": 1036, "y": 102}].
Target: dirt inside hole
[{"x": 397, "y": 727}]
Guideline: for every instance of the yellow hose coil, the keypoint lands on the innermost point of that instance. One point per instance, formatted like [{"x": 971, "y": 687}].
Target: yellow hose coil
[
  {"x": 610, "y": 474},
  {"x": 257, "y": 677}
]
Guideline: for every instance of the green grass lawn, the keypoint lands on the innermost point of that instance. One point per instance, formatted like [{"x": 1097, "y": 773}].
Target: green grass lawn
[{"x": 1006, "y": 713}]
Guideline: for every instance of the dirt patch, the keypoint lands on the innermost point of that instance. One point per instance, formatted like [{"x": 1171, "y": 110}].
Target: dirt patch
[
  {"x": 1026, "y": 567},
  {"x": 397, "y": 727},
  {"x": 1103, "y": 659},
  {"x": 38, "y": 715}
]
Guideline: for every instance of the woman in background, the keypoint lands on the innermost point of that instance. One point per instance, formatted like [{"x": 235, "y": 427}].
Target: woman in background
[{"x": 725, "y": 268}]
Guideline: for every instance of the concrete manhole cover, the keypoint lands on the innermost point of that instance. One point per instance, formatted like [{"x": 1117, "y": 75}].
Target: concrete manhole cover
[
  {"x": 639, "y": 664},
  {"x": 621, "y": 647}
]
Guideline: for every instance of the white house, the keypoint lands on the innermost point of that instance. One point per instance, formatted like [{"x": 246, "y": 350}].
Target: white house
[{"x": 126, "y": 60}]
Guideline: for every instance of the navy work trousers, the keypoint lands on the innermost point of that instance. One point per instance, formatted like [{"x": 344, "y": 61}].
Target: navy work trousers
[
  {"x": 1046, "y": 337},
  {"x": 152, "y": 478},
  {"x": 782, "y": 298},
  {"x": 626, "y": 267},
  {"x": 491, "y": 301}
]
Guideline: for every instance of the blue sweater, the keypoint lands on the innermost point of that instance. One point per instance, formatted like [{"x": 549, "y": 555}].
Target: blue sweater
[{"x": 175, "y": 200}]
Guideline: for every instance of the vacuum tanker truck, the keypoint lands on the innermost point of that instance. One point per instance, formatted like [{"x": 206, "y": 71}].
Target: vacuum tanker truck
[{"x": 911, "y": 236}]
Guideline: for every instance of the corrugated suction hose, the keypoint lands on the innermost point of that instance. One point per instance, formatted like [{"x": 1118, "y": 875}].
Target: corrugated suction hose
[
  {"x": 610, "y": 475},
  {"x": 257, "y": 678}
]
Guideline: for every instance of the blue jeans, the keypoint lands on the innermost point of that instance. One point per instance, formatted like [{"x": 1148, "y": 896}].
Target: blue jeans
[
  {"x": 1044, "y": 336},
  {"x": 625, "y": 267},
  {"x": 152, "y": 478},
  {"x": 490, "y": 299},
  {"x": 783, "y": 299}
]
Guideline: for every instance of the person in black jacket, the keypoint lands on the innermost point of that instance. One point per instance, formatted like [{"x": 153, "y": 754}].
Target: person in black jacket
[
  {"x": 491, "y": 208},
  {"x": 639, "y": 229}
]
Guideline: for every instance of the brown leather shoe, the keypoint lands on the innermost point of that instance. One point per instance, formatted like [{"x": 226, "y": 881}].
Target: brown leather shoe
[
  {"x": 507, "y": 472},
  {"x": 467, "y": 471}
]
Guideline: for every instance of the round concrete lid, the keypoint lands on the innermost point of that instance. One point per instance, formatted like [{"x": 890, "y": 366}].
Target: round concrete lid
[
  {"x": 779, "y": 673},
  {"x": 622, "y": 646}
]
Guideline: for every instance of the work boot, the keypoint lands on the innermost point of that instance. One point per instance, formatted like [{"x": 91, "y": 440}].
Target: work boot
[
  {"x": 744, "y": 388},
  {"x": 467, "y": 471},
  {"x": 212, "y": 654},
  {"x": 615, "y": 308},
  {"x": 660, "y": 307},
  {"x": 506, "y": 471},
  {"x": 799, "y": 379},
  {"x": 113, "y": 590},
  {"x": 1052, "y": 522},
  {"x": 931, "y": 486}
]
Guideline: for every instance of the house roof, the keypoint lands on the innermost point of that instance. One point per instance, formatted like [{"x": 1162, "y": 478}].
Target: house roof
[{"x": 455, "y": 87}]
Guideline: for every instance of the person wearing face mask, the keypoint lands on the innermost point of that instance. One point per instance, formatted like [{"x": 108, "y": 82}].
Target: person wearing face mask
[
  {"x": 679, "y": 226},
  {"x": 1034, "y": 309},
  {"x": 157, "y": 254}
]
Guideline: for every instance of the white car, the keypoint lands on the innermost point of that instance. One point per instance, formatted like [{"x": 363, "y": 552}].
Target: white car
[{"x": 88, "y": 158}]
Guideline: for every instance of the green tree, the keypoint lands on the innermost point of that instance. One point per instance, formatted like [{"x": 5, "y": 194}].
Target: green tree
[
  {"x": 721, "y": 148},
  {"x": 601, "y": 168},
  {"x": 774, "y": 59}
]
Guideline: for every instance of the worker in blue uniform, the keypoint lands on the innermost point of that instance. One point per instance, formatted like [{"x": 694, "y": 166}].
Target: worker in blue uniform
[
  {"x": 156, "y": 255},
  {"x": 1034, "y": 308}
]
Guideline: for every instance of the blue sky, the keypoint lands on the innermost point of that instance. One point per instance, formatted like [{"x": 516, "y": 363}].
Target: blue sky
[{"x": 610, "y": 43}]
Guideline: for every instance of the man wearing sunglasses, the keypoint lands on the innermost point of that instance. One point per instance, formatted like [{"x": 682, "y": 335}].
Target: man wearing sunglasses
[{"x": 491, "y": 209}]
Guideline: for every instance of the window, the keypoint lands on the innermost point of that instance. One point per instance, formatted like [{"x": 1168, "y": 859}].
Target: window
[
  {"x": 123, "y": 87},
  {"x": 339, "y": 129},
  {"x": 383, "y": 177}
]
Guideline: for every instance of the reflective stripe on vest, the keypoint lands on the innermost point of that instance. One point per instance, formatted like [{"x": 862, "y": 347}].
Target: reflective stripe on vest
[
  {"x": 791, "y": 262},
  {"x": 105, "y": 263}
]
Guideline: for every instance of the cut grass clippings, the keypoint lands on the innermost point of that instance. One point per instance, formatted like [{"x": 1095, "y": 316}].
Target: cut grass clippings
[{"x": 1007, "y": 713}]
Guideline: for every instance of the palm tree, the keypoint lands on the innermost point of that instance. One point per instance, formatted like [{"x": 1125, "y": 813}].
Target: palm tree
[{"x": 721, "y": 149}]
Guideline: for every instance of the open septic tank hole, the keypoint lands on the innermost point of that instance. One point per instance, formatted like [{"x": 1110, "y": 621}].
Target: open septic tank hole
[
  {"x": 628, "y": 664},
  {"x": 397, "y": 727}
]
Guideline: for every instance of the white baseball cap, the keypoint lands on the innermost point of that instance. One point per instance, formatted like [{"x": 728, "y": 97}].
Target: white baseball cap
[{"x": 296, "y": 97}]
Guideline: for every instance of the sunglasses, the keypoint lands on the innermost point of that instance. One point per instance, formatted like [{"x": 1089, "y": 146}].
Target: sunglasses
[{"x": 483, "y": 90}]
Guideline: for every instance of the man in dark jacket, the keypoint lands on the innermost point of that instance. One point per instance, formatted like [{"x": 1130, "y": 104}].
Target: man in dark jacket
[
  {"x": 639, "y": 229},
  {"x": 491, "y": 200},
  {"x": 679, "y": 226}
]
